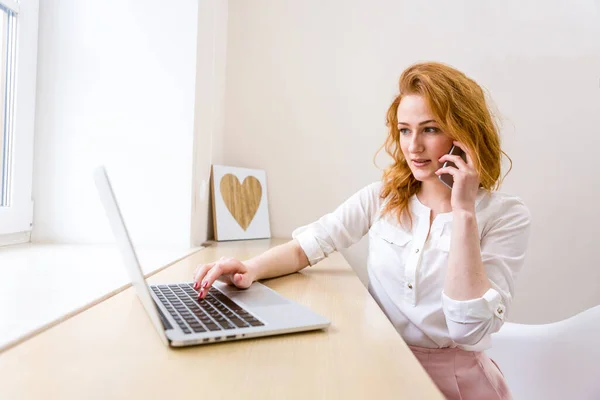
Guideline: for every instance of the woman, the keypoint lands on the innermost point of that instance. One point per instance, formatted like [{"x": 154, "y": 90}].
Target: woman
[{"x": 442, "y": 262}]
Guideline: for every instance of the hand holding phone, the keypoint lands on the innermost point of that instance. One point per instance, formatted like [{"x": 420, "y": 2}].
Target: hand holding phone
[{"x": 447, "y": 179}]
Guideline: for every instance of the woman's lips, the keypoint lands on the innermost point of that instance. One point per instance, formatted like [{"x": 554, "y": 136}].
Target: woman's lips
[{"x": 421, "y": 163}]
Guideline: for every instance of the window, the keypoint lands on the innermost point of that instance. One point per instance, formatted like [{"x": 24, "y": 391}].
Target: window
[
  {"x": 8, "y": 42},
  {"x": 18, "y": 56}
]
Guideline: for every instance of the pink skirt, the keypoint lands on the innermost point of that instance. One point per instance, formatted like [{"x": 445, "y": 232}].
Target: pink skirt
[{"x": 463, "y": 375}]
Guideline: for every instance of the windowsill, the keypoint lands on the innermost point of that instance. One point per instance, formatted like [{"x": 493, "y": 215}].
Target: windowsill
[
  {"x": 12, "y": 239},
  {"x": 41, "y": 284}
]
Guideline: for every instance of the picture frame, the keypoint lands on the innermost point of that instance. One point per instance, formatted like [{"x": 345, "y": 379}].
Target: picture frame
[{"x": 240, "y": 203}]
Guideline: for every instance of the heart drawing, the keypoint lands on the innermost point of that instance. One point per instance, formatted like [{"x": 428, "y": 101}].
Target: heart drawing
[{"x": 242, "y": 199}]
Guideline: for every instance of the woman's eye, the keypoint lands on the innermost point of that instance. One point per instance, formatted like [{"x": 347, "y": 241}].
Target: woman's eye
[
  {"x": 404, "y": 131},
  {"x": 431, "y": 129}
]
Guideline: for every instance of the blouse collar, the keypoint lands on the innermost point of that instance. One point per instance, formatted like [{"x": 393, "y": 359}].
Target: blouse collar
[{"x": 421, "y": 210}]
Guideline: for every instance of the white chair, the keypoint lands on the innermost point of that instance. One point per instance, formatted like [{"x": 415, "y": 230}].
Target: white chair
[{"x": 558, "y": 361}]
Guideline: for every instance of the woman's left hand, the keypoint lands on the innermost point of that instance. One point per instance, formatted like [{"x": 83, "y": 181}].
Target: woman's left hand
[{"x": 466, "y": 180}]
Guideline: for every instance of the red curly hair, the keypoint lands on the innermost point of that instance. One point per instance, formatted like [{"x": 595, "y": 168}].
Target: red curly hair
[{"x": 459, "y": 105}]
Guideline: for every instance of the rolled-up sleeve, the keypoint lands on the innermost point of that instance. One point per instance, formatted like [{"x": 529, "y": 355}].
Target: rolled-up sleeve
[
  {"x": 340, "y": 228},
  {"x": 503, "y": 248}
]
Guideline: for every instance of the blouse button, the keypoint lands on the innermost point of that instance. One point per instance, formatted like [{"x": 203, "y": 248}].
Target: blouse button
[
  {"x": 410, "y": 285},
  {"x": 500, "y": 311}
]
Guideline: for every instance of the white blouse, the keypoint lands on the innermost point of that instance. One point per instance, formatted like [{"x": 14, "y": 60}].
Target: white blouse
[{"x": 407, "y": 268}]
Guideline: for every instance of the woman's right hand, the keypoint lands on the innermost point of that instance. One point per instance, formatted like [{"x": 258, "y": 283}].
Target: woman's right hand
[{"x": 231, "y": 270}]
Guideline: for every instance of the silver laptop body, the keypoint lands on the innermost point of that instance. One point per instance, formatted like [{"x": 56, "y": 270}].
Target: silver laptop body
[{"x": 227, "y": 313}]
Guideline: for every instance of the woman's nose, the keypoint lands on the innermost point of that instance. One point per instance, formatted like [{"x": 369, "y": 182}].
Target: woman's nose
[{"x": 415, "y": 145}]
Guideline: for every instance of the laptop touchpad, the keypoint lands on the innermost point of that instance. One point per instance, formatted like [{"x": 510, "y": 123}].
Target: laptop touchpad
[{"x": 258, "y": 298}]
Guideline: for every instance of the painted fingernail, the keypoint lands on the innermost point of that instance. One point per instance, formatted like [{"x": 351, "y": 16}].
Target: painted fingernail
[
  {"x": 195, "y": 285},
  {"x": 200, "y": 294},
  {"x": 204, "y": 284}
]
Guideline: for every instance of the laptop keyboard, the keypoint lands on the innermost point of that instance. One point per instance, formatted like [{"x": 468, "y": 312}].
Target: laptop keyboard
[{"x": 213, "y": 313}]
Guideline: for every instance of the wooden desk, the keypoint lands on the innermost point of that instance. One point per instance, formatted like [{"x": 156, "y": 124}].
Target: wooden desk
[{"x": 111, "y": 350}]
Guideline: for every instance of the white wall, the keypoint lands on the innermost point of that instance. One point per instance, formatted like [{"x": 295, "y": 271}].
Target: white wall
[
  {"x": 209, "y": 109},
  {"x": 308, "y": 84},
  {"x": 116, "y": 85}
]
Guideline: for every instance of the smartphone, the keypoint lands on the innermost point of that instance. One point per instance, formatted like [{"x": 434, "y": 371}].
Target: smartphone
[{"x": 447, "y": 178}]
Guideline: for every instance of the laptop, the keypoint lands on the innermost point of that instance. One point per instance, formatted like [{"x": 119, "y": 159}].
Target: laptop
[{"x": 227, "y": 313}]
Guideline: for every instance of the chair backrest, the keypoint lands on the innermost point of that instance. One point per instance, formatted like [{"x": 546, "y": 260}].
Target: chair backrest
[{"x": 552, "y": 361}]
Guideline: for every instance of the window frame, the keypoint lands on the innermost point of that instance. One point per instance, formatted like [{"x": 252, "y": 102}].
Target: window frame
[{"x": 18, "y": 218}]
